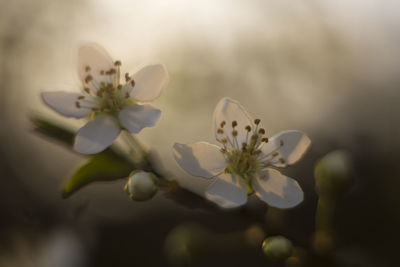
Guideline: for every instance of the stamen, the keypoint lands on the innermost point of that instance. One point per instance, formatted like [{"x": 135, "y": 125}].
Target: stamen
[
  {"x": 77, "y": 104},
  {"x": 132, "y": 83},
  {"x": 257, "y": 121},
  {"x": 265, "y": 139},
  {"x": 87, "y": 90},
  {"x": 275, "y": 154},
  {"x": 222, "y": 124},
  {"x": 220, "y": 131},
  {"x": 234, "y": 124},
  {"x": 224, "y": 141},
  {"x": 248, "y": 128},
  {"x": 88, "y": 78},
  {"x": 127, "y": 95},
  {"x": 127, "y": 77},
  {"x": 281, "y": 142},
  {"x": 261, "y": 131},
  {"x": 117, "y": 63},
  {"x": 87, "y": 68},
  {"x": 282, "y": 160},
  {"x": 81, "y": 97},
  {"x": 234, "y": 133},
  {"x": 119, "y": 87}
]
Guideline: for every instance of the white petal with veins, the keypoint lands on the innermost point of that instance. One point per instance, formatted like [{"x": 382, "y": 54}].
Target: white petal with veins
[
  {"x": 276, "y": 189},
  {"x": 65, "y": 103},
  {"x": 200, "y": 159},
  {"x": 294, "y": 146},
  {"x": 149, "y": 82},
  {"x": 229, "y": 110},
  {"x": 97, "y": 58},
  {"x": 136, "y": 117},
  {"x": 228, "y": 191},
  {"x": 96, "y": 135}
]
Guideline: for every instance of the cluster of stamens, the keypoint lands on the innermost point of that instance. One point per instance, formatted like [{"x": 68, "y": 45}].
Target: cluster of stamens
[
  {"x": 245, "y": 159},
  {"x": 106, "y": 95}
]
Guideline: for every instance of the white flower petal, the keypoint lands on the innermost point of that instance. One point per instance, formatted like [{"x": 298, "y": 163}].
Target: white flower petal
[
  {"x": 228, "y": 191},
  {"x": 136, "y": 117},
  {"x": 276, "y": 189},
  {"x": 149, "y": 82},
  {"x": 229, "y": 110},
  {"x": 65, "y": 103},
  {"x": 97, "y": 58},
  {"x": 200, "y": 159},
  {"x": 96, "y": 135},
  {"x": 295, "y": 144}
]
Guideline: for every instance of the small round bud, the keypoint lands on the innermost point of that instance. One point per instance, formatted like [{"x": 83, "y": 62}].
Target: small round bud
[
  {"x": 257, "y": 121},
  {"x": 234, "y": 124},
  {"x": 277, "y": 248},
  {"x": 141, "y": 185}
]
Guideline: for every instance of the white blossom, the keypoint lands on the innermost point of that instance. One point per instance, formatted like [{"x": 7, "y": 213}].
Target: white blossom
[
  {"x": 241, "y": 165},
  {"x": 111, "y": 102}
]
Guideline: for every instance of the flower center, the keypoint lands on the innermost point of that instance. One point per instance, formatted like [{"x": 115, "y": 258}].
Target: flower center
[
  {"x": 242, "y": 154},
  {"x": 106, "y": 94}
]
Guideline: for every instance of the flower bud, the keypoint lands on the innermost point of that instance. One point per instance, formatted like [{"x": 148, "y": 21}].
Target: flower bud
[
  {"x": 141, "y": 185},
  {"x": 333, "y": 172},
  {"x": 277, "y": 248}
]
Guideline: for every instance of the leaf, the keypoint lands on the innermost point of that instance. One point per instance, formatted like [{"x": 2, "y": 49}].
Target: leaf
[{"x": 101, "y": 167}]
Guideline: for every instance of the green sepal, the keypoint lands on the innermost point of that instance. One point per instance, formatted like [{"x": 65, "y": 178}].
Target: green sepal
[{"x": 101, "y": 167}]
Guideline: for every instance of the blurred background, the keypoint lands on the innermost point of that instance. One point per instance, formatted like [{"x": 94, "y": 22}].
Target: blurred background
[{"x": 328, "y": 68}]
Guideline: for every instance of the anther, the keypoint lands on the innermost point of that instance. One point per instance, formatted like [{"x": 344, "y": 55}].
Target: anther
[
  {"x": 257, "y": 121},
  {"x": 234, "y": 133},
  {"x": 254, "y": 137},
  {"x": 81, "y": 97},
  {"x": 126, "y": 95},
  {"x": 77, "y": 104},
  {"x": 234, "y": 124},
  {"x": 133, "y": 83},
  {"x": 112, "y": 71},
  {"x": 119, "y": 87},
  {"x": 87, "y": 68},
  {"x": 275, "y": 154},
  {"x": 282, "y": 160},
  {"x": 281, "y": 142},
  {"x": 99, "y": 93},
  {"x": 95, "y": 109},
  {"x": 220, "y": 131},
  {"x": 265, "y": 139},
  {"x": 127, "y": 77},
  {"x": 224, "y": 141},
  {"x": 248, "y": 128},
  {"x": 222, "y": 124},
  {"x": 102, "y": 72},
  {"x": 87, "y": 90},
  {"x": 261, "y": 131},
  {"x": 117, "y": 63},
  {"x": 88, "y": 78}
]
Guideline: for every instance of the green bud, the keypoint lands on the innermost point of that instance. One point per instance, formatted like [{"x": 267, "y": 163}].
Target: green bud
[
  {"x": 333, "y": 172},
  {"x": 187, "y": 244},
  {"x": 277, "y": 248},
  {"x": 141, "y": 185}
]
